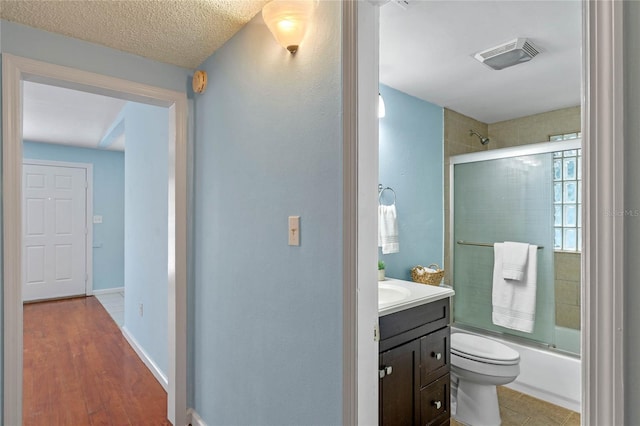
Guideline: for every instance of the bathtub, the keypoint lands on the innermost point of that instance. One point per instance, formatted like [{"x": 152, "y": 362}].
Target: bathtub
[{"x": 546, "y": 375}]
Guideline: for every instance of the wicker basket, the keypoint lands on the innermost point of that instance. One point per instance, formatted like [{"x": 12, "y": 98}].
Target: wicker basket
[{"x": 420, "y": 274}]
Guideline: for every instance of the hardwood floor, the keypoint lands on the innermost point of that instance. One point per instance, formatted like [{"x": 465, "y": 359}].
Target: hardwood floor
[{"x": 79, "y": 369}]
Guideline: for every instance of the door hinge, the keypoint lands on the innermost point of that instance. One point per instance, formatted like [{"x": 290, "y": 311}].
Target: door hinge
[
  {"x": 86, "y": 278},
  {"x": 376, "y": 332},
  {"x": 86, "y": 184}
]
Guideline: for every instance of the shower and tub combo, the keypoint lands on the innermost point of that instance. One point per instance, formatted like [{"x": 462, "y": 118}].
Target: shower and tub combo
[{"x": 528, "y": 194}]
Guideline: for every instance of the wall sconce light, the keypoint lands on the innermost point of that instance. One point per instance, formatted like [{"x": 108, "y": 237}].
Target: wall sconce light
[
  {"x": 287, "y": 20},
  {"x": 382, "y": 111}
]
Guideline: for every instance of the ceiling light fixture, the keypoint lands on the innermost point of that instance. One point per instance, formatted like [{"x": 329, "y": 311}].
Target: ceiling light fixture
[
  {"x": 382, "y": 111},
  {"x": 288, "y": 20}
]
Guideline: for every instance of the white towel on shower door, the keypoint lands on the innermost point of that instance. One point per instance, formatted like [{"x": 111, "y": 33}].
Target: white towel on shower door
[
  {"x": 514, "y": 302},
  {"x": 388, "y": 229},
  {"x": 514, "y": 260}
]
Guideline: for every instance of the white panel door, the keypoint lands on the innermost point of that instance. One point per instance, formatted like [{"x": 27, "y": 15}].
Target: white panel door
[{"x": 54, "y": 228}]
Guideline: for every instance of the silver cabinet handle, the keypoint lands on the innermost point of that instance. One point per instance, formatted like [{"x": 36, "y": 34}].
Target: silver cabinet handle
[
  {"x": 385, "y": 372},
  {"x": 436, "y": 355},
  {"x": 438, "y": 404}
]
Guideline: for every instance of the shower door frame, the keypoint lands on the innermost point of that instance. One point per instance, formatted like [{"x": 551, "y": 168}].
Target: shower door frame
[{"x": 497, "y": 154}]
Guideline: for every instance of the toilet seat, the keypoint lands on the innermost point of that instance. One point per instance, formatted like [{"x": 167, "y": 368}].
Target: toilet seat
[{"x": 483, "y": 350}]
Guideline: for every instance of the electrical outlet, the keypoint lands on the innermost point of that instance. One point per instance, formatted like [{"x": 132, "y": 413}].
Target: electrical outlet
[{"x": 141, "y": 309}]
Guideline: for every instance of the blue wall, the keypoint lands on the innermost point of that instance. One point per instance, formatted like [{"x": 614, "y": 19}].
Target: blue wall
[
  {"x": 108, "y": 201},
  {"x": 268, "y": 317},
  {"x": 146, "y": 232},
  {"x": 411, "y": 162}
]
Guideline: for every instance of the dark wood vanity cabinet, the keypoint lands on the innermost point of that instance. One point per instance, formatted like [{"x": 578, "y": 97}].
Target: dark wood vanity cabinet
[{"x": 414, "y": 366}]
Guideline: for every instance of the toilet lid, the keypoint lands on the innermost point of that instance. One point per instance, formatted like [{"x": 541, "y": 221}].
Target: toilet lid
[{"x": 482, "y": 349}]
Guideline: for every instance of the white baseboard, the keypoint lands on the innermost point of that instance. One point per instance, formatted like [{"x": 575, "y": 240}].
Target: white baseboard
[
  {"x": 155, "y": 370},
  {"x": 194, "y": 419},
  {"x": 108, "y": 291}
]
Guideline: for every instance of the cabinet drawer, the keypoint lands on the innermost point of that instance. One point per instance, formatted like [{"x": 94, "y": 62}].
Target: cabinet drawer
[
  {"x": 434, "y": 355},
  {"x": 412, "y": 323},
  {"x": 435, "y": 403}
]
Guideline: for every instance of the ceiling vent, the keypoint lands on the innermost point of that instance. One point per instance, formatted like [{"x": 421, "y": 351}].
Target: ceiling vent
[
  {"x": 511, "y": 53},
  {"x": 402, "y": 3}
]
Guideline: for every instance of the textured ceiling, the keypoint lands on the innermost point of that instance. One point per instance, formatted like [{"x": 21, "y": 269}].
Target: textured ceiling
[{"x": 179, "y": 32}]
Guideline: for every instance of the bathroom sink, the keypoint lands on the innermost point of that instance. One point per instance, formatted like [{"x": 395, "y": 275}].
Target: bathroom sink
[
  {"x": 396, "y": 295},
  {"x": 389, "y": 293}
]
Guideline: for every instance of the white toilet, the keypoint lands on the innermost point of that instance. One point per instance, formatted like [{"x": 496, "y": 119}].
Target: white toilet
[{"x": 478, "y": 365}]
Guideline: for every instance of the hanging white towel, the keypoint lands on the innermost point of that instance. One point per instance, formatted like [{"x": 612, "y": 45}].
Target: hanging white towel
[
  {"x": 514, "y": 302},
  {"x": 388, "y": 229},
  {"x": 514, "y": 260}
]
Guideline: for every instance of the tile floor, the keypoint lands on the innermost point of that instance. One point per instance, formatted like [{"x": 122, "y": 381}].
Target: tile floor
[
  {"x": 518, "y": 409},
  {"x": 114, "y": 305}
]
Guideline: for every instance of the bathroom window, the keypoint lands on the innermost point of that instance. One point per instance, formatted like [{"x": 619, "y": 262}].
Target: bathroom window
[
  {"x": 564, "y": 137},
  {"x": 567, "y": 196}
]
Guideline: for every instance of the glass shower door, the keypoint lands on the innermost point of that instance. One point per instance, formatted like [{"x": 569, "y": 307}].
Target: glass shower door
[{"x": 506, "y": 199}]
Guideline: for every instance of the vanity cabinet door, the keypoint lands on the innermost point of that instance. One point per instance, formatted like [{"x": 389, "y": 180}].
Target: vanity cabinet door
[{"x": 399, "y": 377}]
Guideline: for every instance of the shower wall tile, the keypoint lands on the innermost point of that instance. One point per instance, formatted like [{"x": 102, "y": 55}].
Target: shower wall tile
[
  {"x": 567, "y": 266},
  {"x": 567, "y": 283},
  {"x": 534, "y": 128},
  {"x": 568, "y": 292},
  {"x": 568, "y": 316},
  {"x": 456, "y": 133}
]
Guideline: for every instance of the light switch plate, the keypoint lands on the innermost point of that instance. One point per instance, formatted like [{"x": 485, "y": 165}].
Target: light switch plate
[
  {"x": 294, "y": 230},
  {"x": 97, "y": 219}
]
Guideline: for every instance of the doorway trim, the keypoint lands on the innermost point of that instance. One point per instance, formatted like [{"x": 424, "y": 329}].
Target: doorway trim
[
  {"x": 603, "y": 183},
  {"x": 16, "y": 69},
  {"x": 88, "y": 239}
]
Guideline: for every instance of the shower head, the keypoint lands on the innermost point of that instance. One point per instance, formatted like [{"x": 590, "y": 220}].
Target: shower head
[{"x": 483, "y": 140}]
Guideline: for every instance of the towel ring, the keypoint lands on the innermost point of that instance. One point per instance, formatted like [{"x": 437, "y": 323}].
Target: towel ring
[{"x": 381, "y": 190}]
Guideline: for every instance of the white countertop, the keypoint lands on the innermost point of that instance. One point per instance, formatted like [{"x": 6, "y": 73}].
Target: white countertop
[{"x": 407, "y": 294}]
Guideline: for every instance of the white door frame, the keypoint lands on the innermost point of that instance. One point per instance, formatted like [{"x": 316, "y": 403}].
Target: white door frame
[
  {"x": 14, "y": 70},
  {"x": 603, "y": 235},
  {"x": 360, "y": 200},
  {"x": 603, "y": 178},
  {"x": 88, "y": 239}
]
